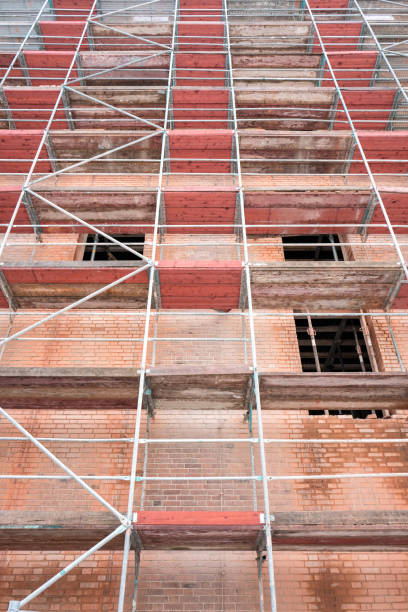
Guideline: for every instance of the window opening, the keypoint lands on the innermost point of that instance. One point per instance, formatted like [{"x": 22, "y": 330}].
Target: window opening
[
  {"x": 334, "y": 345},
  {"x": 99, "y": 248},
  {"x": 322, "y": 247}
]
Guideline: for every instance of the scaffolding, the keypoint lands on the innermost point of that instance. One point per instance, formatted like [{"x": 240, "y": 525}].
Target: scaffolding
[{"x": 157, "y": 102}]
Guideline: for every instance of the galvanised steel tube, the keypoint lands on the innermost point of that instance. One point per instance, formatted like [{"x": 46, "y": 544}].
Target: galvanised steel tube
[
  {"x": 152, "y": 279},
  {"x": 265, "y": 488}
]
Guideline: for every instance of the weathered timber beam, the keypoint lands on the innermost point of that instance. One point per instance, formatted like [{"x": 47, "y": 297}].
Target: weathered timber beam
[
  {"x": 215, "y": 387},
  {"x": 343, "y": 530}
]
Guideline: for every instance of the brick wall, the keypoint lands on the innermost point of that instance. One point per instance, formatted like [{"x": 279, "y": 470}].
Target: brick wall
[
  {"x": 207, "y": 459},
  {"x": 276, "y": 340},
  {"x": 181, "y": 580},
  {"x": 376, "y": 248},
  {"x": 60, "y": 353},
  {"x": 53, "y": 247},
  {"x": 194, "y": 581},
  {"x": 199, "y": 581}
]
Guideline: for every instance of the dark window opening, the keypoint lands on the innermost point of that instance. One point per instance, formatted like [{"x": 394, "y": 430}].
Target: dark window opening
[
  {"x": 99, "y": 248},
  {"x": 339, "y": 345},
  {"x": 334, "y": 345},
  {"x": 356, "y": 414},
  {"x": 322, "y": 247}
]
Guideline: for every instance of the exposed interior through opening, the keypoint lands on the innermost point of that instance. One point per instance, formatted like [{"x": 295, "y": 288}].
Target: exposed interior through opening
[
  {"x": 334, "y": 345},
  {"x": 320, "y": 247},
  {"x": 99, "y": 248}
]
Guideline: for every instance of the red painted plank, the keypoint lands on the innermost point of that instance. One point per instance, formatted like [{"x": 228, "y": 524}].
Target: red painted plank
[
  {"x": 20, "y": 139},
  {"x": 383, "y": 146},
  {"x": 193, "y": 154},
  {"x": 384, "y": 141},
  {"x": 15, "y": 73},
  {"x": 198, "y": 518},
  {"x": 201, "y": 36},
  {"x": 206, "y": 292},
  {"x": 194, "y": 10},
  {"x": 8, "y": 199},
  {"x": 194, "y": 145},
  {"x": 329, "y": 4},
  {"x": 396, "y": 205},
  {"x": 201, "y": 60},
  {"x": 217, "y": 303},
  {"x": 351, "y": 69},
  {"x": 3, "y": 301},
  {"x": 172, "y": 282},
  {"x": 200, "y": 69},
  {"x": 200, "y": 109},
  {"x": 199, "y": 530},
  {"x": 21, "y": 144},
  {"x": 40, "y": 103},
  {"x": 200, "y": 207},
  {"x": 201, "y": 29},
  {"x": 401, "y": 301},
  {"x": 369, "y": 109},
  {"x": 195, "y": 78},
  {"x": 70, "y": 275},
  {"x": 63, "y": 35},
  {"x": 208, "y": 4},
  {"x": 338, "y": 36},
  {"x": 200, "y": 15},
  {"x": 72, "y": 9},
  {"x": 49, "y": 67},
  {"x": 199, "y": 272},
  {"x": 200, "y": 139},
  {"x": 212, "y": 98},
  {"x": 204, "y": 167},
  {"x": 211, "y": 120}
]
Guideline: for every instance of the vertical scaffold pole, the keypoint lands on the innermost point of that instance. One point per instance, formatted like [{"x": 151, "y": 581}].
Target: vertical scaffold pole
[
  {"x": 146, "y": 336},
  {"x": 247, "y": 280}
]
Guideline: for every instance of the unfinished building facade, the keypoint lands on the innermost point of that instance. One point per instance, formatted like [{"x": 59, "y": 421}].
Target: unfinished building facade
[{"x": 203, "y": 305}]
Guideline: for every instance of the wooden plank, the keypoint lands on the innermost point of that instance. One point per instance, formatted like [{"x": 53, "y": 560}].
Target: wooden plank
[
  {"x": 200, "y": 139},
  {"x": 198, "y": 530},
  {"x": 200, "y": 518},
  {"x": 179, "y": 387},
  {"x": 310, "y": 208},
  {"x": 78, "y": 272},
  {"x": 368, "y": 530},
  {"x": 50, "y": 530},
  {"x": 369, "y": 109},
  {"x": 40, "y": 102},
  {"x": 63, "y": 35},
  {"x": 49, "y": 67},
  {"x": 338, "y": 36},
  {"x": 59, "y": 296},
  {"x": 106, "y": 209},
  {"x": 351, "y": 68},
  {"x": 58, "y": 284},
  {"x": 69, "y": 388},
  {"x": 200, "y": 284},
  {"x": 200, "y": 387},
  {"x": 322, "y": 285},
  {"x": 333, "y": 391},
  {"x": 348, "y": 530}
]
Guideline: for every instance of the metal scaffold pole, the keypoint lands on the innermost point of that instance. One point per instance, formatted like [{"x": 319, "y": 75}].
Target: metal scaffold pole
[
  {"x": 152, "y": 281},
  {"x": 247, "y": 280}
]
